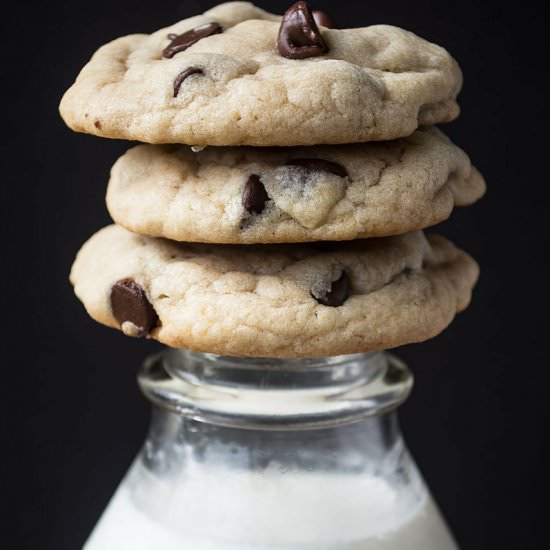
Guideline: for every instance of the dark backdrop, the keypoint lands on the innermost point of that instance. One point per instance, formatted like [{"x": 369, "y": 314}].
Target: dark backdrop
[{"x": 73, "y": 415}]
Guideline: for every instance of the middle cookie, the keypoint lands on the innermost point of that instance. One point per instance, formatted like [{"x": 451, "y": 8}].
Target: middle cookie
[{"x": 260, "y": 195}]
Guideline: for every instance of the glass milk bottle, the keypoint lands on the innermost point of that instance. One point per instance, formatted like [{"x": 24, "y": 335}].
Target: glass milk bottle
[{"x": 263, "y": 454}]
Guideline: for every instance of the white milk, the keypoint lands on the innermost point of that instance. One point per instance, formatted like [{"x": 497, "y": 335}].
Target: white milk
[{"x": 268, "y": 511}]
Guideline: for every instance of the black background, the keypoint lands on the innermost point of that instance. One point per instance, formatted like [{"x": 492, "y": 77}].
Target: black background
[{"x": 73, "y": 417}]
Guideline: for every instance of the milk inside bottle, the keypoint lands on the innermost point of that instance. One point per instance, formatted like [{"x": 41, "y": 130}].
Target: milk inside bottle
[{"x": 251, "y": 455}]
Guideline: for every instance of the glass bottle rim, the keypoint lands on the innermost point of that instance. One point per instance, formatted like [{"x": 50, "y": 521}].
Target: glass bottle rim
[{"x": 273, "y": 394}]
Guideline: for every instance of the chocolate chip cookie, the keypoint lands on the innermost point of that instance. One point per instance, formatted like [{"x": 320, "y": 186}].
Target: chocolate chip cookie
[
  {"x": 274, "y": 300},
  {"x": 238, "y": 75},
  {"x": 255, "y": 195}
]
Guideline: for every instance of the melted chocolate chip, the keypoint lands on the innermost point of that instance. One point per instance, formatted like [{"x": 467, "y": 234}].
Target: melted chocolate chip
[
  {"x": 254, "y": 195},
  {"x": 337, "y": 294},
  {"x": 180, "y": 42},
  {"x": 299, "y": 37},
  {"x": 320, "y": 165},
  {"x": 182, "y": 76},
  {"x": 323, "y": 19},
  {"x": 130, "y": 304}
]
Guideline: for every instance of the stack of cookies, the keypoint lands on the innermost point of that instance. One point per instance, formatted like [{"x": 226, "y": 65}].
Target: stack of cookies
[{"x": 276, "y": 208}]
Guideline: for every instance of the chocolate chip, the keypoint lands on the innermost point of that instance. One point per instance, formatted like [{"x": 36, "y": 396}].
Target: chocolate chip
[
  {"x": 130, "y": 304},
  {"x": 97, "y": 124},
  {"x": 337, "y": 294},
  {"x": 323, "y": 19},
  {"x": 299, "y": 37},
  {"x": 180, "y": 42},
  {"x": 254, "y": 195},
  {"x": 320, "y": 165},
  {"x": 182, "y": 76}
]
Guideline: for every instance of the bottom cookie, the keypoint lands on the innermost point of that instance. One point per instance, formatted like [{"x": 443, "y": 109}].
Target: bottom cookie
[{"x": 286, "y": 301}]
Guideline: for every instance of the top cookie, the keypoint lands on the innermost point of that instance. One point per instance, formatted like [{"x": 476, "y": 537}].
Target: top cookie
[{"x": 238, "y": 76}]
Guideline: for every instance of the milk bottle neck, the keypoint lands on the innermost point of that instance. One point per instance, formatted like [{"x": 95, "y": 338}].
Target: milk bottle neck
[{"x": 275, "y": 394}]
